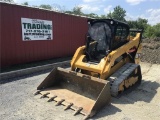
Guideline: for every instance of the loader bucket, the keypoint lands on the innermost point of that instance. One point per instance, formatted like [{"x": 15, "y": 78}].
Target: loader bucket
[{"x": 82, "y": 93}]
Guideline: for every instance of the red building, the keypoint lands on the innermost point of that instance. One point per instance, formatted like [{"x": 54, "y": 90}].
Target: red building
[{"x": 67, "y": 33}]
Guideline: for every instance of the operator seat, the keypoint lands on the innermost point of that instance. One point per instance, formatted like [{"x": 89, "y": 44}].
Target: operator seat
[{"x": 100, "y": 33}]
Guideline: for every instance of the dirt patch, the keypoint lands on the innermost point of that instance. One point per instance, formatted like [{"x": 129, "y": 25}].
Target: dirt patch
[{"x": 151, "y": 50}]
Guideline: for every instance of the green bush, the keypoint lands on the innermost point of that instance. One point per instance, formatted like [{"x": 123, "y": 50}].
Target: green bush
[{"x": 153, "y": 31}]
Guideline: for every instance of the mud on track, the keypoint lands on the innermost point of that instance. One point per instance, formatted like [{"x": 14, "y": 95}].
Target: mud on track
[{"x": 18, "y": 103}]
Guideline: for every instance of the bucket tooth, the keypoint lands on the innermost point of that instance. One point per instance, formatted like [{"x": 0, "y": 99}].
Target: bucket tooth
[
  {"x": 68, "y": 106},
  {"x": 78, "y": 111},
  {"x": 37, "y": 92},
  {"x": 59, "y": 102},
  {"x": 45, "y": 95},
  {"x": 52, "y": 98}
]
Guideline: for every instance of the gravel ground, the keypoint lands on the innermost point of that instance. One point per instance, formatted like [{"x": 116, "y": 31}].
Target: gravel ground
[{"x": 17, "y": 101}]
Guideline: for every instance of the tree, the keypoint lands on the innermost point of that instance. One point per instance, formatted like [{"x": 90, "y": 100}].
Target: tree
[
  {"x": 142, "y": 23},
  {"x": 25, "y": 3},
  {"x": 157, "y": 29},
  {"x": 138, "y": 24},
  {"x": 69, "y": 12},
  {"x": 132, "y": 23},
  {"x": 11, "y": 1},
  {"x": 92, "y": 15},
  {"x": 109, "y": 15},
  {"x": 103, "y": 17},
  {"x": 59, "y": 8},
  {"x": 49, "y": 7},
  {"x": 149, "y": 32},
  {"x": 153, "y": 31},
  {"x": 77, "y": 10},
  {"x": 118, "y": 13}
]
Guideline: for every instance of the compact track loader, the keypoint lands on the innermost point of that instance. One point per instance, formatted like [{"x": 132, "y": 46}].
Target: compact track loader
[{"x": 106, "y": 66}]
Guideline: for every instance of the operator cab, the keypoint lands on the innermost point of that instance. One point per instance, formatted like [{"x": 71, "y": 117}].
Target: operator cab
[{"x": 104, "y": 35}]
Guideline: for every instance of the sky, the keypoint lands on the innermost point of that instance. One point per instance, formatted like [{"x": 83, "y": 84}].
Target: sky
[{"x": 148, "y": 9}]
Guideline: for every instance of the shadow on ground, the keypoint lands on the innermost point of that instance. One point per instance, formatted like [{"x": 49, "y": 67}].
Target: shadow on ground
[
  {"x": 107, "y": 110},
  {"x": 144, "y": 92},
  {"x": 28, "y": 75},
  {"x": 23, "y": 77}
]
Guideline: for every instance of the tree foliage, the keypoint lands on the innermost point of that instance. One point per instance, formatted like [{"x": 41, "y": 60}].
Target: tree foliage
[
  {"x": 77, "y": 10},
  {"x": 153, "y": 31},
  {"x": 138, "y": 24},
  {"x": 109, "y": 15},
  {"x": 118, "y": 13},
  {"x": 92, "y": 15},
  {"x": 103, "y": 16},
  {"x": 157, "y": 30},
  {"x": 25, "y": 3},
  {"x": 49, "y": 7}
]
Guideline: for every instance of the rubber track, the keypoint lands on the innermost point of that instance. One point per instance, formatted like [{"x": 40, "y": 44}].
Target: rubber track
[{"x": 119, "y": 76}]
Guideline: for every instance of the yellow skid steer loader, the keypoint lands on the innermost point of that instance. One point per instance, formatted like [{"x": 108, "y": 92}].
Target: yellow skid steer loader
[{"x": 106, "y": 66}]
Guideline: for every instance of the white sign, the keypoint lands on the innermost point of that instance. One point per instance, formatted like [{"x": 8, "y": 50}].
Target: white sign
[{"x": 36, "y": 29}]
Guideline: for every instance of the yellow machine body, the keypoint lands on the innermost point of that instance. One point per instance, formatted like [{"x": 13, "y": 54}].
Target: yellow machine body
[
  {"x": 106, "y": 66},
  {"x": 87, "y": 86}
]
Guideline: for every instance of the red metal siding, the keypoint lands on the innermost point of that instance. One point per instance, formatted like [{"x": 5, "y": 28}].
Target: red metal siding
[{"x": 68, "y": 34}]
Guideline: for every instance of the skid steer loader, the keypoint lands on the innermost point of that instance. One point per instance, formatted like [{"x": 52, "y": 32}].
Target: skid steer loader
[{"x": 106, "y": 66}]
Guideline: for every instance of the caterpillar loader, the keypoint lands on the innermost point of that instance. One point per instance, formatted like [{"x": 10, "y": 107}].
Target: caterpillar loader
[{"x": 106, "y": 66}]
